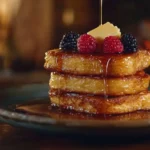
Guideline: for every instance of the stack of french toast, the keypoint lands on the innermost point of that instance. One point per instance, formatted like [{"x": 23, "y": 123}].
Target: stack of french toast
[{"x": 100, "y": 72}]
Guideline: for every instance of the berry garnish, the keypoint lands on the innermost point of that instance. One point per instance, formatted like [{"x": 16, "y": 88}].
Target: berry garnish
[
  {"x": 86, "y": 44},
  {"x": 69, "y": 41},
  {"x": 129, "y": 42},
  {"x": 112, "y": 45}
]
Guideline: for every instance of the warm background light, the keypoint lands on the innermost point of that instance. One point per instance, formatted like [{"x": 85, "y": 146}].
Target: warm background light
[{"x": 68, "y": 17}]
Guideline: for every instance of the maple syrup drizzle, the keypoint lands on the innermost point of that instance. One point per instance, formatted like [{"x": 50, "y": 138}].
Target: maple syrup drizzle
[
  {"x": 106, "y": 65},
  {"x": 105, "y": 78},
  {"x": 59, "y": 62},
  {"x": 101, "y": 12}
]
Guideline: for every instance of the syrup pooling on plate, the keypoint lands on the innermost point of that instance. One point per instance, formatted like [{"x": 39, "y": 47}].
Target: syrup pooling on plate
[{"x": 42, "y": 109}]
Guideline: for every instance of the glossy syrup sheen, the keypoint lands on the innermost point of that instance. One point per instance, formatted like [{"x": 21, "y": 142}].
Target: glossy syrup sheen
[
  {"x": 96, "y": 60},
  {"x": 44, "y": 109},
  {"x": 105, "y": 62}
]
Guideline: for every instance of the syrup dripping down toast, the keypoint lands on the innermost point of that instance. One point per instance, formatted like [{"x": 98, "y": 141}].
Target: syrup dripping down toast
[{"x": 79, "y": 64}]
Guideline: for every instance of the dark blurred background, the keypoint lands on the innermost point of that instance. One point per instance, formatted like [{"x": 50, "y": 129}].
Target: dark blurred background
[{"x": 28, "y": 28}]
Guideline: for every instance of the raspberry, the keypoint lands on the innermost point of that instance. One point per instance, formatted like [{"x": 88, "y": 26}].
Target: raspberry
[
  {"x": 129, "y": 42},
  {"x": 86, "y": 44},
  {"x": 112, "y": 45},
  {"x": 69, "y": 41}
]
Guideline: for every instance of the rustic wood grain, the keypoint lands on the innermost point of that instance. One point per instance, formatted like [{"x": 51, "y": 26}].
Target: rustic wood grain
[{"x": 12, "y": 138}]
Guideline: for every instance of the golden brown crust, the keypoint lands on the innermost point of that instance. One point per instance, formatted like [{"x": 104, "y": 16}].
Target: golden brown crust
[
  {"x": 101, "y": 105},
  {"x": 100, "y": 86},
  {"x": 96, "y": 64}
]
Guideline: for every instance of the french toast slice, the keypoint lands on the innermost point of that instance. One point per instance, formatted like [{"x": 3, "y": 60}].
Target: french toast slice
[
  {"x": 96, "y": 64},
  {"x": 100, "y": 105},
  {"x": 100, "y": 86}
]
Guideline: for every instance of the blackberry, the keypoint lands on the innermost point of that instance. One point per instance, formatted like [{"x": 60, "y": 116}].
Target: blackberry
[
  {"x": 129, "y": 42},
  {"x": 69, "y": 41}
]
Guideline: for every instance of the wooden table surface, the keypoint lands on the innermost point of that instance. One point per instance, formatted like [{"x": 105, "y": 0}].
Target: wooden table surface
[{"x": 13, "y": 138}]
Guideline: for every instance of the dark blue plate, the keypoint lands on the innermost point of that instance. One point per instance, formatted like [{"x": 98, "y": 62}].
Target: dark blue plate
[{"x": 28, "y": 106}]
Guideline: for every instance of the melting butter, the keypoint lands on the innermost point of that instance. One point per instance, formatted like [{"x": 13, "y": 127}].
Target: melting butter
[{"x": 105, "y": 30}]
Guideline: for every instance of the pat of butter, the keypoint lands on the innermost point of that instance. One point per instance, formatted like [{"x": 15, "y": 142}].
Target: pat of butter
[{"x": 105, "y": 30}]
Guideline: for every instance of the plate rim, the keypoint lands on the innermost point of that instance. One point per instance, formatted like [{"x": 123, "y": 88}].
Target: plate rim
[{"x": 28, "y": 118}]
